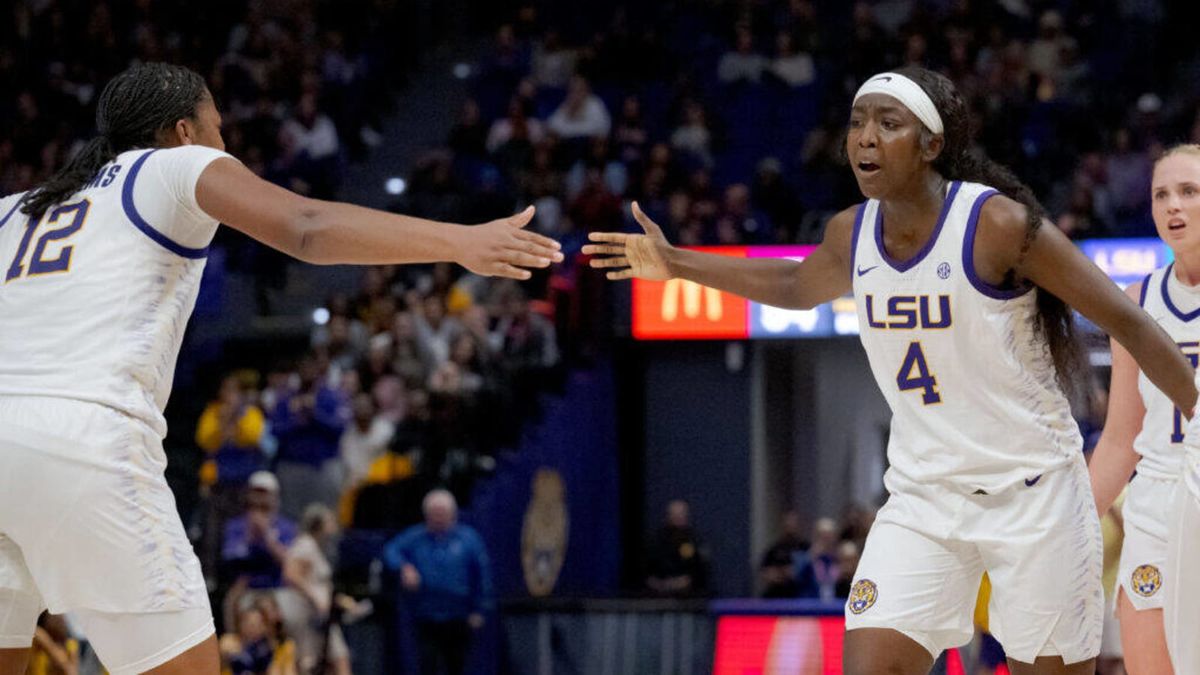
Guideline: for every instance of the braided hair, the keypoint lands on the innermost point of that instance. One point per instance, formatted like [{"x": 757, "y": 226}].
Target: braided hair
[
  {"x": 134, "y": 108},
  {"x": 957, "y": 161}
]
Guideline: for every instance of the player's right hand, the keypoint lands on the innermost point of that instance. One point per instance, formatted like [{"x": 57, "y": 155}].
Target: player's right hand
[
  {"x": 634, "y": 255},
  {"x": 502, "y": 248}
]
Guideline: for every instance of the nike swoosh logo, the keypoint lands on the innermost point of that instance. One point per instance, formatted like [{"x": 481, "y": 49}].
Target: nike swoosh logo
[
  {"x": 861, "y": 271},
  {"x": 1030, "y": 482},
  {"x": 884, "y": 78}
]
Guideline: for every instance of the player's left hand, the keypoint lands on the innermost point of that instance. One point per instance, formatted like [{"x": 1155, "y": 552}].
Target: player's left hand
[{"x": 502, "y": 248}]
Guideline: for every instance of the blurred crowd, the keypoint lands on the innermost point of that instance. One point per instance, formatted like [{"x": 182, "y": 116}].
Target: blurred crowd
[{"x": 725, "y": 119}]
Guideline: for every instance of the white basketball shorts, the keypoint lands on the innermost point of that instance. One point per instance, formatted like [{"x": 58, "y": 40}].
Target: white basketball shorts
[
  {"x": 88, "y": 525},
  {"x": 1148, "y": 512},
  {"x": 1039, "y": 541}
]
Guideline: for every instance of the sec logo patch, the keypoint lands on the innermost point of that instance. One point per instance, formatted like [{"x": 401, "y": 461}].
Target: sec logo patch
[{"x": 862, "y": 596}]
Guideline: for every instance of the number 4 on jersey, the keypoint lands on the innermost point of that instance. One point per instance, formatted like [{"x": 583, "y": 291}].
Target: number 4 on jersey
[{"x": 914, "y": 374}]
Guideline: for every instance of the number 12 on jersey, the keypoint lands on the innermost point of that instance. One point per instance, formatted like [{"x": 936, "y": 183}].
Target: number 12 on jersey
[
  {"x": 914, "y": 374},
  {"x": 1189, "y": 350},
  {"x": 38, "y": 263}
]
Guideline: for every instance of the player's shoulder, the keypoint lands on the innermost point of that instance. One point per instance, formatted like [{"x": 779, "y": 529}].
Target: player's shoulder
[
  {"x": 1137, "y": 290},
  {"x": 1003, "y": 216},
  {"x": 840, "y": 227}
]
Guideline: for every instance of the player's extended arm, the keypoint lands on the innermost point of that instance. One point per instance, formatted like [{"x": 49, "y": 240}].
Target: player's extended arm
[
  {"x": 822, "y": 276},
  {"x": 331, "y": 233},
  {"x": 1114, "y": 459},
  {"x": 1058, "y": 266}
]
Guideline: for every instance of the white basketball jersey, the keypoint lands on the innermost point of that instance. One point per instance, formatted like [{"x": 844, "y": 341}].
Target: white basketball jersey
[
  {"x": 1176, "y": 308},
  {"x": 95, "y": 294},
  {"x": 975, "y": 402}
]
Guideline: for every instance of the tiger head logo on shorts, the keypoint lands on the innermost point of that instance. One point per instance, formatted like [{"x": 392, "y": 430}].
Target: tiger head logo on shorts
[
  {"x": 862, "y": 596},
  {"x": 1146, "y": 580}
]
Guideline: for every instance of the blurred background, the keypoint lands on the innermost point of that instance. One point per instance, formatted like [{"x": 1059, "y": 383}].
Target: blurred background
[{"x": 626, "y": 468}]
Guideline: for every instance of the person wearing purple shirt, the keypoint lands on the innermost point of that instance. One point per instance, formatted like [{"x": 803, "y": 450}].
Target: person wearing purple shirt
[
  {"x": 308, "y": 424},
  {"x": 256, "y": 542}
]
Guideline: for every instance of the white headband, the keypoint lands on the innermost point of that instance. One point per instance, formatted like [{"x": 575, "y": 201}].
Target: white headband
[{"x": 908, "y": 93}]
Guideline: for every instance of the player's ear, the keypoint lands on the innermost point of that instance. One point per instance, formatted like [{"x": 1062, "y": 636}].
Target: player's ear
[{"x": 932, "y": 146}]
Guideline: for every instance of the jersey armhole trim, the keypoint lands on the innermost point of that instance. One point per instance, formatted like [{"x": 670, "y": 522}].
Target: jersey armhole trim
[
  {"x": 968, "y": 254},
  {"x": 858, "y": 220},
  {"x": 11, "y": 211},
  {"x": 147, "y": 229},
  {"x": 1166, "y": 296},
  {"x": 1142, "y": 293}
]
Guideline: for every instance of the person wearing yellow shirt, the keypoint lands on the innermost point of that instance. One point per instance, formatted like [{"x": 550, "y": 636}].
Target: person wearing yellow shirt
[{"x": 229, "y": 432}]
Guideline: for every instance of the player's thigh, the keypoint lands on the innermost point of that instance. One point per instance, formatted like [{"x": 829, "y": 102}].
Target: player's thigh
[
  {"x": 867, "y": 651},
  {"x": 176, "y": 642},
  {"x": 916, "y": 585},
  {"x": 1042, "y": 548},
  {"x": 1144, "y": 628}
]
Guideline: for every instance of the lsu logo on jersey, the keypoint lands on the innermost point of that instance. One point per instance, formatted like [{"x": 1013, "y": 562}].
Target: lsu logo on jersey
[
  {"x": 906, "y": 312},
  {"x": 862, "y": 595},
  {"x": 1146, "y": 580}
]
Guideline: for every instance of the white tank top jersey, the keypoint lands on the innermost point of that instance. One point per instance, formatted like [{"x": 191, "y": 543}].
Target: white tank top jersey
[
  {"x": 971, "y": 384},
  {"x": 1176, "y": 308},
  {"x": 95, "y": 294}
]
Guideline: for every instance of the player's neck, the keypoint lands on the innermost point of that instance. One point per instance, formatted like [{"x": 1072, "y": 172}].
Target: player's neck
[
  {"x": 918, "y": 209},
  {"x": 1187, "y": 268}
]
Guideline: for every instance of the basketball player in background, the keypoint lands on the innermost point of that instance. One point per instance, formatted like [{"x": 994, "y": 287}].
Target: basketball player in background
[
  {"x": 1145, "y": 430},
  {"x": 962, "y": 293},
  {"x": 1181, "y": 611},
  {"x": 100, "y": 268}
]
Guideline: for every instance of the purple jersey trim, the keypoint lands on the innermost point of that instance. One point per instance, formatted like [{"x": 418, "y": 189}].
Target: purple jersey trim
[
  {"x": 904, "y": 266},
  {"x": 969, "y": 255},
  {"x": 1142, "y": 293},
  {"x": 140, "y": 223},
  {"x": 858, "y": 218},
  {"x": 1183, "y": 316}
]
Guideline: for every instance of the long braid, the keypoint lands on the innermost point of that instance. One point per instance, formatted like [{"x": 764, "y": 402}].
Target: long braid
[
  {"x": 957, "y": 162},
  {"x": 133, "y": 108}
]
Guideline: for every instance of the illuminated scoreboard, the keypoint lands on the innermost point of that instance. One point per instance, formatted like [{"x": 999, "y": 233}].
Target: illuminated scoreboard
[{"x": 683, "y": 310}]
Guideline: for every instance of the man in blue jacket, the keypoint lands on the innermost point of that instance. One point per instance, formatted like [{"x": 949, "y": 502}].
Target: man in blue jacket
[{"x": 444, "y": 571}]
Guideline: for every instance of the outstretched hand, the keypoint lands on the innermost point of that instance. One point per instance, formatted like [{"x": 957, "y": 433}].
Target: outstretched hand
[
  {"x": 502, "y": 248},
  {"x": 633, "y": 255}
]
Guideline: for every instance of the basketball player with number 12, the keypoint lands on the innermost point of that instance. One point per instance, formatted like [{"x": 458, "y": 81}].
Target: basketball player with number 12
[{"x": 99, "y": 271}]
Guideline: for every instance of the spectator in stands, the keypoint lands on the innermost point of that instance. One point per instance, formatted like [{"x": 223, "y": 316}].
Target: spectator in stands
[
  {"x": 229, "y": 432},
  {"x": 677, "y": 559},
  {"x": 743, "y": 64},
  {"x": 793, "y": 68},
  {"x": 777, "y": 571},
  {"x": 255, "y": 543},
  {"x": 553, "y": 63},
  {"x": 847, "y": 553},
  {"x": 435, "y": 330},
  {"x": 582, "y": 115},
  {"x": 630, "y": 134},
  {"x": 313, "y": 137},
  {"x": 692, "y": 137},
  {"x": 446, "y": 577},
  {"x": 365, "y": 439},
  {"x": 739, "y": 222},
  {"x": 307, "y": 601},
  {"x": 516, "y": 127},
  {"x": 468, "y": 136},
  {"x": 308, "y": 424},
  {"x": 252, "y": 648},
  {"x": 817, "y": 570}
]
